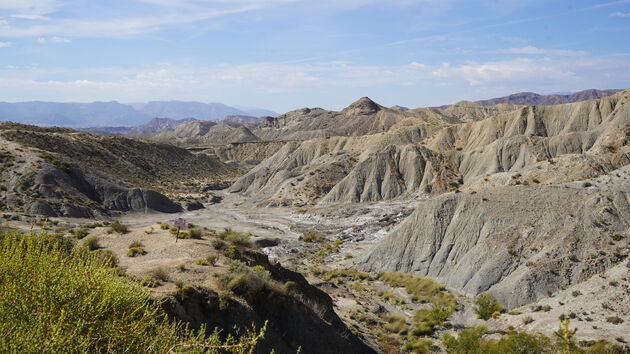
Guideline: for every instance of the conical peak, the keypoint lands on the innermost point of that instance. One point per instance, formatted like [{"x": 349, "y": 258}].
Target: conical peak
[{"x": 362, "y": 106}]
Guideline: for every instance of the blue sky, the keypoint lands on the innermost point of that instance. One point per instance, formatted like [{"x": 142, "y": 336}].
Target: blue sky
[{"x": 286, "y": 54}]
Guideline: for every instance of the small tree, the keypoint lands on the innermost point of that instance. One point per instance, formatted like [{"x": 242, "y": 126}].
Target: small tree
[
  {"x": 565, "y": 337},
  {"x": 487, "y": 306}
]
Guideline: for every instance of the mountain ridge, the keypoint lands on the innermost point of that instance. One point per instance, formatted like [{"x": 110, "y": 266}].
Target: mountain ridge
[{"x": 116, "y": 114}]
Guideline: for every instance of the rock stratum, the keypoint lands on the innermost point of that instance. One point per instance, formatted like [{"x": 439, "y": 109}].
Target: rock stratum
[
  {"x": 517, "y": 201},
  {"x": 61, "y": 172}
]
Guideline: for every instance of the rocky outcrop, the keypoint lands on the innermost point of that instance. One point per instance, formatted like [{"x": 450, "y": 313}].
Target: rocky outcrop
[
  {"x": 396, "y": 171},
  {"x": 206, "y": 133},
  {"x": 65, "y": 173},
  {"x": 77, "y": 194},
  {"x": 431, "y": 156},
  {"x": 302, "y": 316},
  {"x": 514, "y": 242}
]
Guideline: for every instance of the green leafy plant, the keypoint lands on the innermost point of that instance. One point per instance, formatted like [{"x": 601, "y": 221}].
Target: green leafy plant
[
  {"x": 57, "y": 299},
  {"x": 487, "y": 306}
]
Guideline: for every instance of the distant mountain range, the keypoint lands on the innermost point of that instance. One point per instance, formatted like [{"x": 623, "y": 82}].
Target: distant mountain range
[
  {"x": 534, "y": 99},
  {"x": 109, "y": 114}
]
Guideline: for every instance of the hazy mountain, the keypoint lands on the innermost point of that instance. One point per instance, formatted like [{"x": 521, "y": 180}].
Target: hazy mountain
[
  {"x": 145, "y": 130},
  {"x": 534, "y": 99},
  {"x": 71, "y": 114},
  {"x": 115, "y": 114},
  {"x": 257, "y": 112},
  {"x": 180, "y": 109}
]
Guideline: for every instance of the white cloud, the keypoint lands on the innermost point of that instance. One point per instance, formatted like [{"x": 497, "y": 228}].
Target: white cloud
[
  {"x": 620, "y": 14},
  {"x": 537, "y": 73},
  {"x": 307, "y": 79},
  {"x": 25, "y": 8},
  {"x": 5, "y": 44},
  {"x": 531, "y": 50},
  {"x": 53, "y": 40}
]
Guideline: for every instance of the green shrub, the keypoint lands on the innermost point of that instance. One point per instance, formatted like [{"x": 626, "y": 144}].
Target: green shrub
[
  {"x": 426, "y": 320},
  {"x": 616, "y": 237},
  {"x": 182, "y": 235},
  {"x": 135, "y": 244},
  {"x": 164, "y": 226},
  {"x": 201, "y": 262},
  {"x": 217, "y": 244},
  {"x": 91, "y": 243},
  {"x": 160, "y": 273},
  {"x": 136, "y": 251},
  {"x": 232, "y": 253},
  {"x": 236, "y": 238},
  {"x": 311, "y": 236},
  {"x": 81, "y": 233},
  {"x": 184, "y": 291},
  {"x": 195, "y": 233},
  {"x": 419, "y": 345},
  {"x": 108, "y": 257},
  {"x": 116, "y": 226},
  {"x": 57, "y": 300},
  {"x": 249, "y": 282},
  {"x": 422, "y": 290},
  {"x": 471, "y": 341},
  {"x": 212, "y": 259},
  {"x": 614, "y": 320},
  {"x": 487, "y": 306}
]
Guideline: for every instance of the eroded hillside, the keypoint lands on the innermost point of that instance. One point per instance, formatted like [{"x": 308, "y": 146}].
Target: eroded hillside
[{"x": 60, "y": 172}]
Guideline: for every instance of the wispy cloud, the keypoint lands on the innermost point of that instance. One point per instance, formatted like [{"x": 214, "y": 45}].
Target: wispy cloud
[
  {"x": 531, "y": 50},
  {"x": 30, "y": 22},
  {"x": 53, "y": 40},
  {"x": 5, "y": 44},
  {"x": 30, "y": 8},
  {"x": 181, "y": 82},
  {"x": 620, "y": 14}
]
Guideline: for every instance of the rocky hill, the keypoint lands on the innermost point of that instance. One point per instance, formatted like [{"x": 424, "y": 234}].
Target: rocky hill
[
  {"x": 430, "y": 152},
  {"x": 541, "y": 189},
  {"x": 534, "y": 99},
  {"x": 145, "y": 130},
  {"x": 55, "y": 171},
  {"x": 206, "y": 133}
]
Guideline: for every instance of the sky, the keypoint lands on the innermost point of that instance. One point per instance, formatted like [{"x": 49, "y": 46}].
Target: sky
[{"x": 287, "y": 54}]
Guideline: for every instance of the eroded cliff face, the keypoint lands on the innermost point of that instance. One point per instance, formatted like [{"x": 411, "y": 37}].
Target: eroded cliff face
[
  {"x": 431, "y": 156},
  {"x": 61, "y": 172},
  {"x": 515, "y": 242},
  {"x": 300, "y": 317}
]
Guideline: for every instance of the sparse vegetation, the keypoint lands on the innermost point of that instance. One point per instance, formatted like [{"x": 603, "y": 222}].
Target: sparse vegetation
[
  {"x": 311, "y": 236},
  {"x": 232, "y": 253},
  {"x": 236, "y": 238},
  {"x": 81, "y": 233},
  {"x": 421, "y": 290},
  {"x": 136, "y": 251},
  {"x": 42, "y": 272},
  {"x": 161, "y": 274},
  {"x": 91, "y": 243},
  {"x": 487, "y": 306},
  {"x": 616, "y": 237},
  {"x": 614, "y": 320},
  {"x": 117, "y": 227}
]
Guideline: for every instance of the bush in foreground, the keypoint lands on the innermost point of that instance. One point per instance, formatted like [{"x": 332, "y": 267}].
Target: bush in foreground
[{"x": 57, "y": 299}]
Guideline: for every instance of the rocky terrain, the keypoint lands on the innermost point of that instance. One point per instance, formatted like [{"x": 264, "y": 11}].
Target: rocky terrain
[
  {"x": 347, "y": 223},
  {"x": 534, "y": 99},
  {"x": 60, "y": 172}
]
